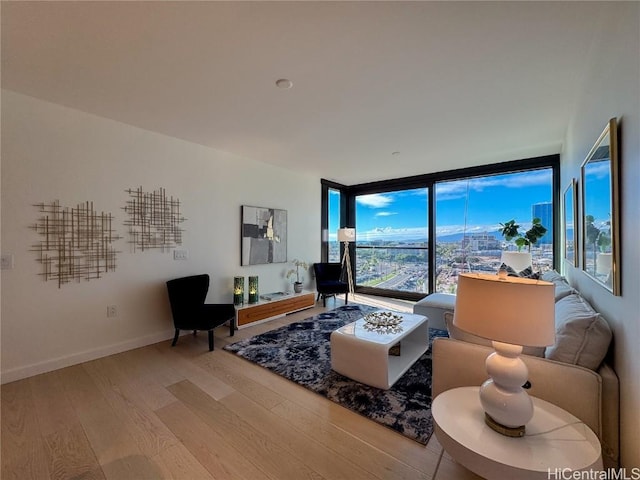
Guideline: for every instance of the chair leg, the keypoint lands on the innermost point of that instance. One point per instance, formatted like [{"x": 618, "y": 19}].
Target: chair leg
[
  {"x": 318, "y": 296},
  {"x": 175, "y": 338},
  {"x": 211, "y": 340},
  {"x": 324, "y": 300},
  {"x": 346, "y": 298},
  {"x": 195, "y": 332}
]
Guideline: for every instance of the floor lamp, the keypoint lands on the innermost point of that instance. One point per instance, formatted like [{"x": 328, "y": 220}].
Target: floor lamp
[{"x": 346, "y": 236}]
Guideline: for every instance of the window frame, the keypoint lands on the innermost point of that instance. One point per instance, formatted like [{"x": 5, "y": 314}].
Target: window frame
[{"x": 348, "y": 210}]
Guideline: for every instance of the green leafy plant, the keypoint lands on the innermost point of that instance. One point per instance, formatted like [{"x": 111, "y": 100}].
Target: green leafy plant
[
  {"x": 298, "y": 264},
  {"x": 603, "y": 237},
  {"x": 591, "y": 231},
  {"x": 510, "y": 231}
]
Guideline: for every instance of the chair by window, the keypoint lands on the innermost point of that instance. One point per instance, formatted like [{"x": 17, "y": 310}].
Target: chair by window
[
  {"x": 328, "y": 282},
  {"x": 187, "y": 296}
]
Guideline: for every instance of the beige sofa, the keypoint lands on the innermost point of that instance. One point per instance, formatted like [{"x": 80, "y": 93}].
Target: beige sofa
[{"x": 576, "y": 378}]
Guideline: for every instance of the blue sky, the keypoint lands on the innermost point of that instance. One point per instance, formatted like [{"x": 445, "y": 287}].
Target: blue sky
[{"x": 488, "y": 202}]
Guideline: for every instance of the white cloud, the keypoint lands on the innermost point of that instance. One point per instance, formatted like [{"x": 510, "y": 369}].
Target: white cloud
[
  {"x": 375, "y": 200},
  {"x": 458, "y": 188},
  {"x": 385, "y": 214},
  {"x": 389, "y": 233}
]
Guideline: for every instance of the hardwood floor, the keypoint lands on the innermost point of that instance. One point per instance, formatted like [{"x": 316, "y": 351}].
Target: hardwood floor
[{"x": 187, "y": 413}]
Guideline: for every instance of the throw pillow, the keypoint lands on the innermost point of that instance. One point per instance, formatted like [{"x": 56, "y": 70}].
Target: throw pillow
[
  {"x": 526, "y": 273},
  {"x": 582, "y": 335}
]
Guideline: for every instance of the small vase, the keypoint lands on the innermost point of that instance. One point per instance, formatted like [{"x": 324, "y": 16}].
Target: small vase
[{"x": 297, "y": 287}]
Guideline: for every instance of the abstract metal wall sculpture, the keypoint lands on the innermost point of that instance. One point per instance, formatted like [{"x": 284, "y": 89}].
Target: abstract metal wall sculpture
[
  {"x": 76, "y": 244},
  {"x": 154, "y": 220}
]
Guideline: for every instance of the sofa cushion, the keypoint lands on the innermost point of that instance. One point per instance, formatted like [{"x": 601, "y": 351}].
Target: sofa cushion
[
  {"x": 582, "y": 335},
  {"x": 458, "y": 334},
  {"x": 552, "y": 276},
  {"x": 562, "y": 287}
]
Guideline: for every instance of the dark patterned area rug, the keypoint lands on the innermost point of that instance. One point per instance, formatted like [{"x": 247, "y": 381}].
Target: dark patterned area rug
[{"x": 301, "y": 352}]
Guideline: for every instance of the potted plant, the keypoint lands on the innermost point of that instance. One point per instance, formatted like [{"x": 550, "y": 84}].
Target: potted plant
[
  {"x": 510, "y": 231},
  {"x": 298, "y": 264},
  {"x": 530, "y": 237}
]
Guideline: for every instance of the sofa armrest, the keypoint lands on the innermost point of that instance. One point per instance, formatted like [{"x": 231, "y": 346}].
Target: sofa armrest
[{"x": 576, "y": 389}]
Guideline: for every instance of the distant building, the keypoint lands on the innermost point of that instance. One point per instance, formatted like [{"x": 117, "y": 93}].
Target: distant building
[
  {"x": 544, "y": 211},
  {"x": 481, "y": 241}
]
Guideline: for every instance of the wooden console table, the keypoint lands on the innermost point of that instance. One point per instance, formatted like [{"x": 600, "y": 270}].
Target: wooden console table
[{"x": 252, "y": 313}]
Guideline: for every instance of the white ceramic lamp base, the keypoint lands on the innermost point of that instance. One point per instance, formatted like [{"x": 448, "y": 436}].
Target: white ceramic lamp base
[{"x": 506, "y": 403}]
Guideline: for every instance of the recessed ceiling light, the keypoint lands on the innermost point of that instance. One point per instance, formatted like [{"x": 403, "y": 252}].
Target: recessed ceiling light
[{"x": 284, "y": 83}]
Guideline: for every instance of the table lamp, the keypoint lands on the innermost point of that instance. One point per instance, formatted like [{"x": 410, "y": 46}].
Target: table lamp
[
  {"x": 346, "y": 236},
  {"x": 511, "y": 312}
]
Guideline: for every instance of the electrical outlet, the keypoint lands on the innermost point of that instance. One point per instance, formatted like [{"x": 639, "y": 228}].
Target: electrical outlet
[
  {"x": 112, "y": 311},
  {"x": 6, "y": 261},
  {"x": 180, "y": 254}
]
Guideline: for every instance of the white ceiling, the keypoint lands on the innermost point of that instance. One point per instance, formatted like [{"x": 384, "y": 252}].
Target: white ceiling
[{"x": 446, "y": 84}]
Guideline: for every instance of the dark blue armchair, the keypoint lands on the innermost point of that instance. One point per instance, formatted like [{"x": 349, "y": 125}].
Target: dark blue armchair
[
  {"x": 187, "y": 296},
  {"x": 328, "y": 281}
]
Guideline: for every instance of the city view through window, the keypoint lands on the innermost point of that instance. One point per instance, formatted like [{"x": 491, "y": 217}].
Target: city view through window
[{"x": 392, "y": 230}]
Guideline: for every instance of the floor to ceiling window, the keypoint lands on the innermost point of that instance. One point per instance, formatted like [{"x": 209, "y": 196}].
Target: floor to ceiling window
[
  {"x": 392, "y": 240},
  {"x": 469, "y": 213},
  {"x": 415, "y": 235},
  {"x": 333, "y": 225}
]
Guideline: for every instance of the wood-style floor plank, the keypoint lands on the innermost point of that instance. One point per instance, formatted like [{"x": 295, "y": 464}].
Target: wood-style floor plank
[
  {"x": 147, "y": 430},
  {"x": 208, "y": 446},
  {"x": 187, "y": 413},
  {"x": 378, "y": 464},
  {"x": 71, "y": 456},
  {"x": 254, "y": 444},
  {"x": 305, "y": 448},
  {"x": 192, "y": 371},
  {"x": 177, "y": 463},
  {"x": 23, "y": 451},
  {"x": 109, "y": 435},
  {"x": 218, "y": 366},
  {"x": 52, "y": 406}
]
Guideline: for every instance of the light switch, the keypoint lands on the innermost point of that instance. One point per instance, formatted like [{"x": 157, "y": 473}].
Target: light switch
[{"x": 180, "y": 254}]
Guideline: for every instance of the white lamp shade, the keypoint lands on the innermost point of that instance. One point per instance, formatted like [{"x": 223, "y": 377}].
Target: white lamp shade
[
  {"x": 514, "y": 310},
  {"x": 346, "y": 234},
  {"x": 517, "y": 260}
]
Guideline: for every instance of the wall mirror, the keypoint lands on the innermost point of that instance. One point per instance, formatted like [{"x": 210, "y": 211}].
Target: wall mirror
[
  {"x": 570, "y": 223},
  {"x": 600, "y": 211}
]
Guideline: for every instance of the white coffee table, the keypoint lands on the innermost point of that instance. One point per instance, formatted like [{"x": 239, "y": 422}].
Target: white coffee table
[
  {"x": 363, "y": 355},
  {"x": 555, "y": 444}
]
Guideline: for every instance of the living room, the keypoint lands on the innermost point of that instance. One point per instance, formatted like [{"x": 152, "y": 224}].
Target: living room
[{"x": 72, "y": 131}]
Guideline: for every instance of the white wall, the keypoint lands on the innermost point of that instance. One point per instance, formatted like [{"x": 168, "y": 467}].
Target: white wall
[
  {"x": 51, "y": 152},
  {"x": 612, "y": 89}
]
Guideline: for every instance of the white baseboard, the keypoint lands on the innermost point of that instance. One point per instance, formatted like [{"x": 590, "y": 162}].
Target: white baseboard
[{"x": 19, "y": 373}]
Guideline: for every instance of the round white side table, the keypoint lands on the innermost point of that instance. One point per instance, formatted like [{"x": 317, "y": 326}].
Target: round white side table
[{"x": 544, "y": 452}]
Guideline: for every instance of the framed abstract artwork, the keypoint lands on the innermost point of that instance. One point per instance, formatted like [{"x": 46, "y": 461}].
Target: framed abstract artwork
[{"x": 263, "y": 236}]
